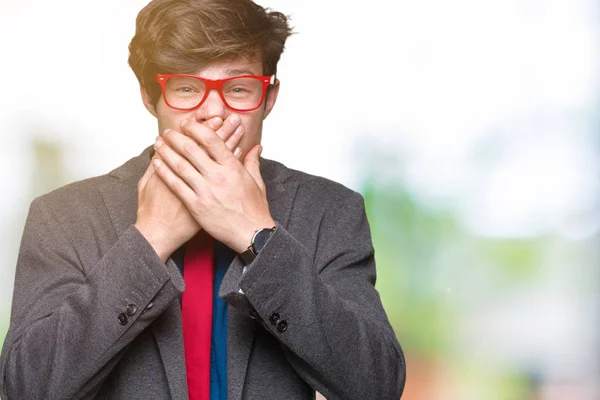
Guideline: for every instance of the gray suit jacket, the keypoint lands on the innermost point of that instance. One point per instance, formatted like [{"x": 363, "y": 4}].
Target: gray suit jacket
[{"x": 82, "y": 263}]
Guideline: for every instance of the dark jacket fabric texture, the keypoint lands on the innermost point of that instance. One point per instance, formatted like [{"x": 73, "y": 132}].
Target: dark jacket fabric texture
[{"x": 95, "y": 312}]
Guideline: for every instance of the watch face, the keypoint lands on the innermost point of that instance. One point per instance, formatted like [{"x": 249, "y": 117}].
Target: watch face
[{"x": 261, "y": 239}]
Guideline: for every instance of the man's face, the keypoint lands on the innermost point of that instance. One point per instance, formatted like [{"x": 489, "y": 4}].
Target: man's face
[{"x": 252, "y": 121}]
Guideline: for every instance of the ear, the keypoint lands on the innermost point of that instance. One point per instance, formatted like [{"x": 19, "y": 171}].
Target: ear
[
  {"x": 147, "y": 101},
  {"x": 272, "y": 93}
]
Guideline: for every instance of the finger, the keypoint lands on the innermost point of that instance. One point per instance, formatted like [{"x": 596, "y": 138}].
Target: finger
[
  {"x": 181, "y": 163},
  {"x": 237, "y": 153},
  {"x": 188, "y": 148},
  {"x": 229, "y": 128},
  {"x": 235, "y": 138},
  {"x": 231, "y": 131},
  {"x": 174, "y": 182},
  {"x": 211, "y": 142},
  {"x": 214, "y": 123},
  {"x": 252, "y": 164}
]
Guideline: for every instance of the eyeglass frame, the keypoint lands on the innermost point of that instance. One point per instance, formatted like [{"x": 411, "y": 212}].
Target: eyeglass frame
[{"x": 216, "y": 84}]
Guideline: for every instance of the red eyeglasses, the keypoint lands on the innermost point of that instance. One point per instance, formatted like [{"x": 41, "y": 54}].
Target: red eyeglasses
[{"x": 188, "y": 92}]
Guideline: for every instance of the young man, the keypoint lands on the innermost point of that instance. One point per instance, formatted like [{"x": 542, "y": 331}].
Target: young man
[{"x": 277, "y": 265}]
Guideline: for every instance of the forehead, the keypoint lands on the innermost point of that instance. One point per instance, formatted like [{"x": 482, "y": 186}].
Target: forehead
[{"x": 228, "y": 68}]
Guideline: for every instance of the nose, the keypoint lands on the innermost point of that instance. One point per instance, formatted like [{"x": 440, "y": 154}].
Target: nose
[{"x": 212, "y": 107}]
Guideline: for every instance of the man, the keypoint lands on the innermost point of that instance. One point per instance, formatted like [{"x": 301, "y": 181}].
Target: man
[{"x": 287, "y": 304}]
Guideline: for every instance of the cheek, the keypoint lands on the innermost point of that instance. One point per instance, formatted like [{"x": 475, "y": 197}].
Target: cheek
[
  {"x": 253, "y": 131},
  {"x": 170, "y": 119}
]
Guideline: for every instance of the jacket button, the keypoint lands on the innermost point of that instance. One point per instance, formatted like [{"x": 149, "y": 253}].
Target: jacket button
[
  {"x": 131, "y": 310},
  {"x": 123, "y": 319},
  {"x": 253, "y": 313},
  {"x": 282, "y": 326},
  {"x": 274, "y": 318}
]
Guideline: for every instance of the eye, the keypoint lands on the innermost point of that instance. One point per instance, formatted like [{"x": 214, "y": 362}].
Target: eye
[{"x": 186, "y": 89}]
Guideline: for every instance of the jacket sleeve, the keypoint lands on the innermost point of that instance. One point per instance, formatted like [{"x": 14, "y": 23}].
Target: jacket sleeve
[
  {"x": 323, "y": 307},
  {"x": 70, "y": 323}
]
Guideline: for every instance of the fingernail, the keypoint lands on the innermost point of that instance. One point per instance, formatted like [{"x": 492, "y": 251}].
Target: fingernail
[
  {"x": 237, "y": 152},
  {"x": 158, "y": 143},
  {"x": 166, "y": 132},
  {"x": 216, "y": 123},
  {"x": 184, "y": 123},
  {"x": 156, "y": 163},
  {"x": 239, "y": 130},
  {"x": 235, "y": 119}
]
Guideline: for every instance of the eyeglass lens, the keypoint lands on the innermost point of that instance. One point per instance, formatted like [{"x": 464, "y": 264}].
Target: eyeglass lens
[{"x": 243, "y": 93}]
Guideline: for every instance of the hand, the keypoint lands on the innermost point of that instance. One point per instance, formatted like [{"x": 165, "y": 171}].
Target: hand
[
  {"x": 227, "y": 198},
  {"x": 161, "y": 216}
]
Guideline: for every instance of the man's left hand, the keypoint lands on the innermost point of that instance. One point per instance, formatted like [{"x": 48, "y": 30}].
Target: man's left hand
[{"x": 225, "y": 196}]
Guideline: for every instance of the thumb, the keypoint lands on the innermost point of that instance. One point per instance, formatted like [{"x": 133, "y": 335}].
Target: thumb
[{"x": 252, "y": 164}]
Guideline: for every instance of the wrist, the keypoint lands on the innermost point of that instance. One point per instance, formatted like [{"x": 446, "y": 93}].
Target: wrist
[
  {"x": 243, "y": 233},
  {"x": 156, "y": 240},
  {"x": 257, "y": 243}
]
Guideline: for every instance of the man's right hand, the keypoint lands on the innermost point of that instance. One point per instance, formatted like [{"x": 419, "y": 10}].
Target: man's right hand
[{"x": 161, "y": 217}]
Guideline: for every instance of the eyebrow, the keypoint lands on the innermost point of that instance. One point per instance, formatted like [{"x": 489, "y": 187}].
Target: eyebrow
[{"x": 236, "y": 72}]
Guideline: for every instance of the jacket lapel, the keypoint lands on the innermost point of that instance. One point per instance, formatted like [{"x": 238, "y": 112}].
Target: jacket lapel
[
  {"x": 120, "y": 198},
  {"x": 169, "y": 339},
  {"x": 241, "y": 328}
]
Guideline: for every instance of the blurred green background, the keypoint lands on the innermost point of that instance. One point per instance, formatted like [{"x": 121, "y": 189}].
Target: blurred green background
[{"x": 485, "y": 317}]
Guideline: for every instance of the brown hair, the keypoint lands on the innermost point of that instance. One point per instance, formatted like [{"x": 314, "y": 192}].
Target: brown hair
[{"x": 181, "y": 36}]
